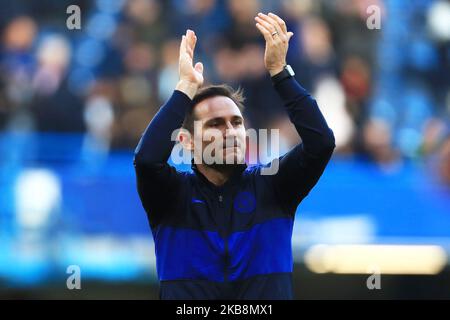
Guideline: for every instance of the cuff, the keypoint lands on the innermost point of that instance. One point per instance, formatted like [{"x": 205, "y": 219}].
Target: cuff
[{"x": 289, "y": 89}]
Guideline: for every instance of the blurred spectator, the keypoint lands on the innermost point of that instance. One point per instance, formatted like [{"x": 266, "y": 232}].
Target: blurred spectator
[
  {"x": 146, "y": 18},
  {"x": 317, "y": 56},
  {"x": 16, "y": 69},
  {"x": 54, "y": 107},
  {"x": 377, "y": 138},
  {"x": 332, "y": 101},
  {"x": 384, "y": 91},
  {"x": 444, "y": 161}
]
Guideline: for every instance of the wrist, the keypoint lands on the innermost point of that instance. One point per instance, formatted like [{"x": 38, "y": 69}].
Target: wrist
[
  {"x": 276, "y": 70},
  {"x": 187, "y": 87},
  {"x": 287, "y": 72}
]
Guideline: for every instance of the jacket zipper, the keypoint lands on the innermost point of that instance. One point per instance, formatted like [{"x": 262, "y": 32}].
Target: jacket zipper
[
  {"x": 226, "y": 258},
  {"x": 226, "y": 261}
]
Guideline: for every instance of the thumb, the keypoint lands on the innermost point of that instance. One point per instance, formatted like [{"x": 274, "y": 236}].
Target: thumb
[
  {"x": 199, "y": 67},
  {"x": 290, "y": 34}
]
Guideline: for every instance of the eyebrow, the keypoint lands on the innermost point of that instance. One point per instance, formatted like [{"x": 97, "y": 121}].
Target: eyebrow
[{"x": 235, "y": 117}]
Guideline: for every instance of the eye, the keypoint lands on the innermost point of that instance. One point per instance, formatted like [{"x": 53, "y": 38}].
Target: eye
[{"x": 237, "y": 122}]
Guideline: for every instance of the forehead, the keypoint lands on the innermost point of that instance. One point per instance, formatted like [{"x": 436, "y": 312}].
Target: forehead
[{"x": 216, "y": 107}]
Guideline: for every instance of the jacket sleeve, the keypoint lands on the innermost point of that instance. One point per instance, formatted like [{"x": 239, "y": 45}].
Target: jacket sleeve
[
  {"x": 158, "y": 183},
  {"x": 301, "y": 167}
]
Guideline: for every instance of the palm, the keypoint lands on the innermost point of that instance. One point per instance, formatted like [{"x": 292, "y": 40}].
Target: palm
[
  {"x": 274, "y": 30},
  {"x": 187, "y": 70}
]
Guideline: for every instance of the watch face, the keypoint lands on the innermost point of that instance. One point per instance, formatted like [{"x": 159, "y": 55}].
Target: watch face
[{"x": 289, "y": 70}]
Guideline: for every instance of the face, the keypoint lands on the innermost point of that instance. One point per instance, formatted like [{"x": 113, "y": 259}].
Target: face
[{"x": 222, "y": 131}]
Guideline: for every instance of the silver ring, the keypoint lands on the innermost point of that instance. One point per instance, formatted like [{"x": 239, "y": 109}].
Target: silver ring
[{"x": 274, "y": 33}]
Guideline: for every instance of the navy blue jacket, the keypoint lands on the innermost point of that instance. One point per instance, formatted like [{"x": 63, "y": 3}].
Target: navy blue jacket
[{"x": 232, "y": 241}]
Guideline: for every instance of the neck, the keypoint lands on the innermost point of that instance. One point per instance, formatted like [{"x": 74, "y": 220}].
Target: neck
[{"x": 217, "y": 175}]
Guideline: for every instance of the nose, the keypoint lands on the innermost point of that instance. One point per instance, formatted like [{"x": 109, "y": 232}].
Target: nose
[{"x": 230, "y": 132}]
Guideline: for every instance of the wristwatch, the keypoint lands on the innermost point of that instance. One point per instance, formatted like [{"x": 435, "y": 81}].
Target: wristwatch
[{"x": 286, "y": 73}]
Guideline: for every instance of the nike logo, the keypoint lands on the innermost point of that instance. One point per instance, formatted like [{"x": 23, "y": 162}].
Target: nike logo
[{"x": 197, "y": 201}]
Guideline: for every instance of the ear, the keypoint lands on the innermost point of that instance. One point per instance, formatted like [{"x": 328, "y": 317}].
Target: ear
[{"x": 186, "y": 139}]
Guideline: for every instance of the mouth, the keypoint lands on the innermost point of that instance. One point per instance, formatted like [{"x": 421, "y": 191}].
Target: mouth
[
  {"x": 231, "y": 146},
  {"x": 235, "y": 147}
]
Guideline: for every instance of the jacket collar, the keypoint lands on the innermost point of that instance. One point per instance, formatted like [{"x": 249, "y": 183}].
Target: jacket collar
[{"x": 235, "y": 176}]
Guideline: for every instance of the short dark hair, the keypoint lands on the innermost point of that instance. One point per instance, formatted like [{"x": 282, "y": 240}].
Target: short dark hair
[{"x": 213, "y": 91}]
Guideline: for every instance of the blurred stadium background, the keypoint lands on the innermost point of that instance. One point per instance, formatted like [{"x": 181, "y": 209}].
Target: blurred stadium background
[{"x": 73, "y": 104}]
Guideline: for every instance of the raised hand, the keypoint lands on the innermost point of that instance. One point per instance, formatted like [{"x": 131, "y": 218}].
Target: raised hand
[
  {"x": 274, "y": 30},
  {"x": 191, "y": 77}
]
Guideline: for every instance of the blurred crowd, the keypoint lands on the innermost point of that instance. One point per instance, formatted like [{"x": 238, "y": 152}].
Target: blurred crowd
[{"x": 385, "y": 92}]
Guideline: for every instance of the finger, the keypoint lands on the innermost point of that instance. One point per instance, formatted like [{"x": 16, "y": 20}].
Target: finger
[
  {"x": 188, "y": 39},
  {"x": 191, "y": 39},
  {"x": 275, "y": 31},
  {"x": 193, "y": 44},
  {"x": 199, "y": 67},
  {"x": 267, "y": 27},
  {"x": 271, "y": 28},
  {"x": 290, "y": 34},
  {"x": 266, "y": 34},
  {"x": 274, "y": 25},
  {"x": 280, "y": 22},
  {"x": 189, "y": 50},
  {"x": 183, "y": 45}
]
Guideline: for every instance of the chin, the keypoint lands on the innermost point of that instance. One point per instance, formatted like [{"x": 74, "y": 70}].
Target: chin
[{"x": 234, "y": 158}]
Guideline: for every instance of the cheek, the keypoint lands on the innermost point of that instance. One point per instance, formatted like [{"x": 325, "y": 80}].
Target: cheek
[{"x": 242, "y": 135}]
